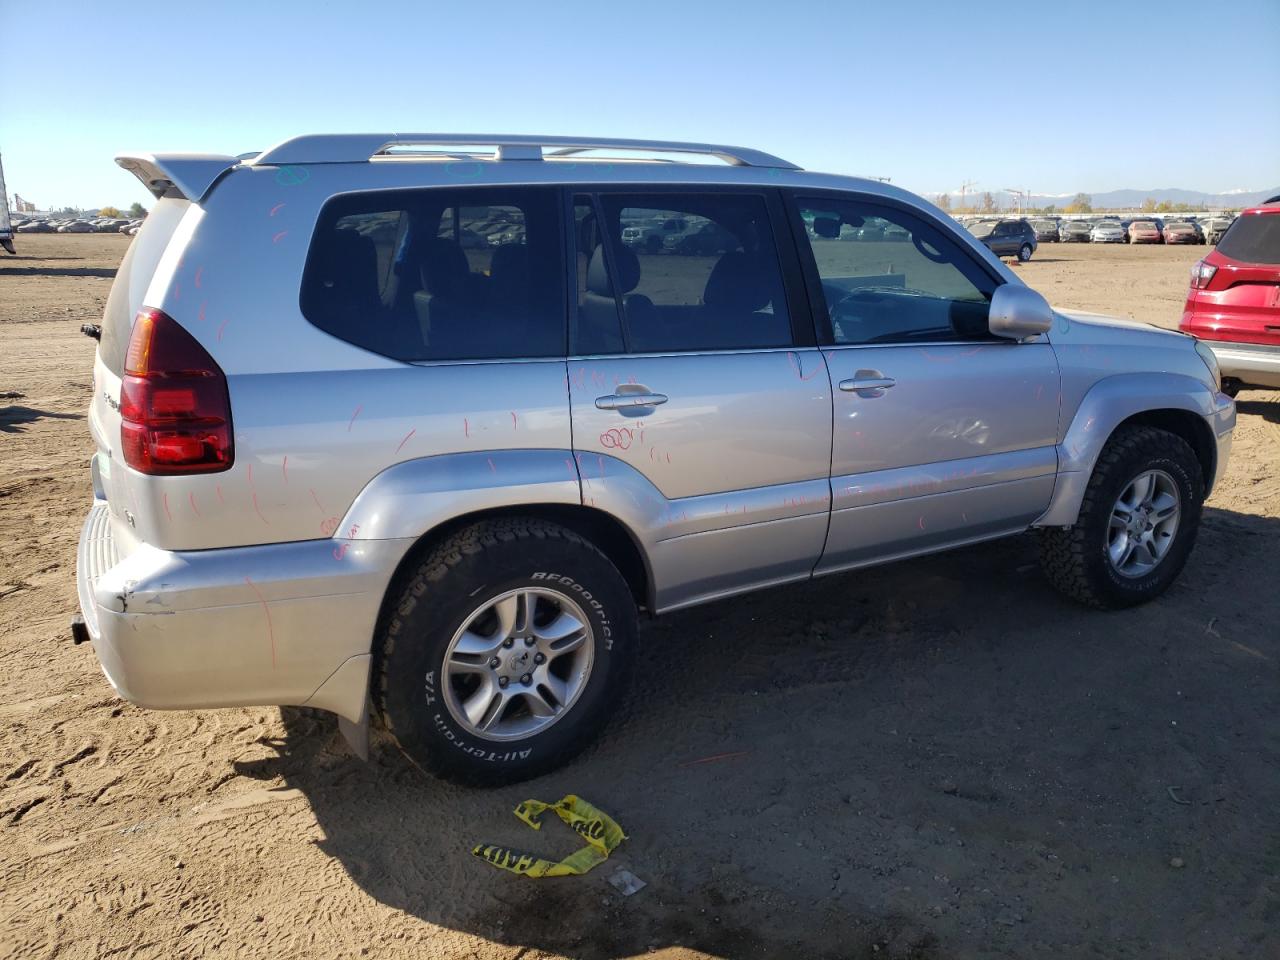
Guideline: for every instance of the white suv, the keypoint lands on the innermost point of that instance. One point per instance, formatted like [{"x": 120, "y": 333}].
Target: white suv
[{"x": 402, "y": 426}]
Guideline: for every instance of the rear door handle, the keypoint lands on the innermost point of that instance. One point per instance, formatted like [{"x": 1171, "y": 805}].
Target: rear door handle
[
  {"x": 627, "y": 401},
  {"x": 867, "y": 386}
]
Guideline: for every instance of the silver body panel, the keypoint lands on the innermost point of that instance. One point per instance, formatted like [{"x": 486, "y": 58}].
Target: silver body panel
[
  {"x": 262, "y": 584},
  {"x": 1257, "y": 364}
]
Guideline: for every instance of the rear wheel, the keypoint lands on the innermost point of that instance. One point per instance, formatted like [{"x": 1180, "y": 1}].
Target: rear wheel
[
  {"x": 1137, "y": 524},
  {"x": 507, "y": 650},
  {"x": 1024, "y": 252}
]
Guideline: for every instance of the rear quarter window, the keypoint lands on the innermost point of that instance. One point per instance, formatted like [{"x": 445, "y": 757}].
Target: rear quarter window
[
  {"x": 1253, "y": 238},
  {"x": 422, "y": 275}
]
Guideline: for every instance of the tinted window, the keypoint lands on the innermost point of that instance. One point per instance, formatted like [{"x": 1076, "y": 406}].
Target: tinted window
[
  {"x": 926, "y": 288},
  {"x": 440, "y": 274},
  {"x": 683, "y": 272},
  {"x": 1253, "y": 238}
]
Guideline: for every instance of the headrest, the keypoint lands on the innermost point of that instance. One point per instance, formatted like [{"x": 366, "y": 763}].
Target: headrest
[
  {"x": 444, "y": 266},
  {"x": 628, "y": 265},
  {"x": 737, "y": 283}
]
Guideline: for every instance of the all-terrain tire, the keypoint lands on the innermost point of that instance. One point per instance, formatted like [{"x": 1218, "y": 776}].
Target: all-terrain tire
[
  {"x": 454, "y": 578},
  {"x": 1075, "y": 558}
]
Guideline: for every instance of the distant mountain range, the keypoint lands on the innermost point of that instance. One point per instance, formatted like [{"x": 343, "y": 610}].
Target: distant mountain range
[{"x": 1116, "y": 199}]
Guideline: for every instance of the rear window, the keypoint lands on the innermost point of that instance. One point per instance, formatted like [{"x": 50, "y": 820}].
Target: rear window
[
  {"x": 418, "y": 275},
  {"x": 1253, "y": 238}
]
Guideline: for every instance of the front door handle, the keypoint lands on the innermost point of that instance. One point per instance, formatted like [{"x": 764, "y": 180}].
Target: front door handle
[
  {"x": 628, "y": 401},
  {"x": 868, "y": 383}
]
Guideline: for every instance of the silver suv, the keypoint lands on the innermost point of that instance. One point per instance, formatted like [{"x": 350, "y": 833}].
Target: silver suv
[{"x": 401, "y": 426}]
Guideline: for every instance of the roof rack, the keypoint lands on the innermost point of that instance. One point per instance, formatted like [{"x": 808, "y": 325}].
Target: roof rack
[{"x": 356, "y": 147}]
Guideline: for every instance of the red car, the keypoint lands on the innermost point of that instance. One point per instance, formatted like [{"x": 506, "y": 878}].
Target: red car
[
  {"x": 1145, "y": 231},
  {"x": 1182, "y": 232},
  {"x": 1234, "y": 302}
]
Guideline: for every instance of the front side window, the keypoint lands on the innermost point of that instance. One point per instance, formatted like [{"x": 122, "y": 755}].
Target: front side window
[
  {"x": 888, "y": 276},
  {"x": 440, "y": 274},
  {"x": 680, "y": 272}
]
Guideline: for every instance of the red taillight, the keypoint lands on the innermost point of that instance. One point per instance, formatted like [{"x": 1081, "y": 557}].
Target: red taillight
[
  {"x": 175, "y": 413},
  {"x": 1201, "y": 274}
]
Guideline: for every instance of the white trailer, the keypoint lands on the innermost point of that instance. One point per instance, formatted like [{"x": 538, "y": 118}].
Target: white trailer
[{"x": 6, "y": 228}]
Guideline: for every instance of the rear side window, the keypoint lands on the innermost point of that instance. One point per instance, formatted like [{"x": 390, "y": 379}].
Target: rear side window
[
  {"x": 1253, "y": 238},
  {"x": 440, "y": 274},
  {"x": 888, "y": 276},
  {"x": 681, "y": 272}
]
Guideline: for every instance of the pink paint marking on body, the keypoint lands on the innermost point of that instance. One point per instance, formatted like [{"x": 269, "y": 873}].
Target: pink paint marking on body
[
  {"x": 258, "y": 510},
  {"x": 271, "y": 634},
  {"x": 200, "y": 314},
  {"x": 492, "y": 468},
  {"x": 284, "y": 467},
  {"x": 192, "y": 498},
  {"x": 166, "y": 508},
  {"x": 354, "y": 413},
  {"x": 315, "y": 499},
  {"x": 920, "y": 523},
  {"x": 279, "y": 236},
  {"x": 199, "y": 274},
  {"x": 466, "y": 427},
  {"x": 221, "y": 328},
  {"x": 275, "y": 209},
  {"x": 400, "y": 446},
  {"x": 218, "y": 488},
  {"x": 514, "y": 423}
]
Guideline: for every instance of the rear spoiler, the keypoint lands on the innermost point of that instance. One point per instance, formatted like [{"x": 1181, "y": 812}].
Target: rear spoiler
[{"x": 189, "y": 174}]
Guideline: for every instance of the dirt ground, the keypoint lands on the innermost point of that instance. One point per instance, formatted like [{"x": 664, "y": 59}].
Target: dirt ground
[{"x": 938, "y": 758}]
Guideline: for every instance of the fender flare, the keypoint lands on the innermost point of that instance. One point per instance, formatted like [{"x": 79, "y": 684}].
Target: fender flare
[
  {"x": 1107, "y": 404},
  {"x": 408, "y": 500}
]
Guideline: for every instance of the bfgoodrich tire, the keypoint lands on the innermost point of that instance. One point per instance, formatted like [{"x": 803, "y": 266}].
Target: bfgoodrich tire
[
  {"x": 1137, "y": 524},
  {"x": 505, "y": 652}
]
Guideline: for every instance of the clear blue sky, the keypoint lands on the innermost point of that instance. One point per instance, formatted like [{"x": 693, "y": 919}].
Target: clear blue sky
[{"x": 1116, "y": 94}]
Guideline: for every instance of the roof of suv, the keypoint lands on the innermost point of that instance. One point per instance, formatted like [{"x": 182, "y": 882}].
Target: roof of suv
[{"x": 497, "y": 158}]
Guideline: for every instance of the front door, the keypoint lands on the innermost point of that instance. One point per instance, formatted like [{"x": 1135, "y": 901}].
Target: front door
[
  {"x": 943, "y": 434},
  {"x": 701, "y": 414}
]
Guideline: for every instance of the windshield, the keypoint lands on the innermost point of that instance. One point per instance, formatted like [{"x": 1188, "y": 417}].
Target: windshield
[{"x": 983, "y": 228}]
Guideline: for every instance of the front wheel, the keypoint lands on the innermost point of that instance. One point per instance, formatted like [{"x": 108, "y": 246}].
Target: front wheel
[
  {"x": 506, "y": 651},
  {"x": 1137, "y": 523},
  {"x": 1024, "y": 252}
]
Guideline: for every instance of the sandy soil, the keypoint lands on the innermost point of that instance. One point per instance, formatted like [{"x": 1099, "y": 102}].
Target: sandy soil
[{"x": 938, "y": 758}]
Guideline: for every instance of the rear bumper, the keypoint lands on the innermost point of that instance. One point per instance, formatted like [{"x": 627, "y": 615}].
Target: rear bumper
[
  {"x": 1257, "y": 365},
  {"x": 288, "y": 623}
]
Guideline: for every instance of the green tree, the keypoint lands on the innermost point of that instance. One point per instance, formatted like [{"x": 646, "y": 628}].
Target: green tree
[{"x": 137, "y": 211}]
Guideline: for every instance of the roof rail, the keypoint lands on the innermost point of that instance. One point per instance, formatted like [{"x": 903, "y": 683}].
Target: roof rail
[{"x": 355, "y": 147}]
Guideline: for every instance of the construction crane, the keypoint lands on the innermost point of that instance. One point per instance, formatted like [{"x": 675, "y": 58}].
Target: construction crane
[{"x": 964, "y": 190}]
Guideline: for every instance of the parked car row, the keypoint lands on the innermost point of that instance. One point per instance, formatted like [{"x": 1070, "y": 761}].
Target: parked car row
[
  {"x": 1181, "y": 229},
  {"x": 78, "y": 225}
]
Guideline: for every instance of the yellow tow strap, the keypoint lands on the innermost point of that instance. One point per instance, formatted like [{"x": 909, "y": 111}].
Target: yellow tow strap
[{"x": 597, "y": 828}]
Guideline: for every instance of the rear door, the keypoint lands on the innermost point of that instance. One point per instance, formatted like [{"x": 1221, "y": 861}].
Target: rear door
[
  {"x": 943, "y": 434},
  {"x": 701, "y": 409}
]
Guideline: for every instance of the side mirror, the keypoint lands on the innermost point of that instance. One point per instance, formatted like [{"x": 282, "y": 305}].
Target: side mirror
[{"x": 1017, "y": 312}]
